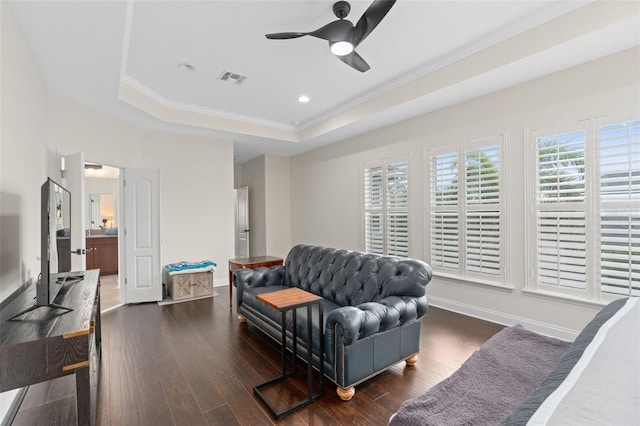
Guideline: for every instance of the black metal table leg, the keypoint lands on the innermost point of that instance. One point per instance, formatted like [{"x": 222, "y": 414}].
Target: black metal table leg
[{"x": 310, "y": 397}]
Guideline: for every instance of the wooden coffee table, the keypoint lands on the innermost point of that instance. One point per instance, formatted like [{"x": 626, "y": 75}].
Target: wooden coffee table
[
  {"x": 249, "y": 263},
  {"x": 285, "y": 301}
]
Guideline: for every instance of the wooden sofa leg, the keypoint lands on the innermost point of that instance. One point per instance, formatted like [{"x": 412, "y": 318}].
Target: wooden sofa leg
[
  {"x": 241, "y": 318},
  {"x": 346, "y": 394},
  {"x": 412, "y": 360}
]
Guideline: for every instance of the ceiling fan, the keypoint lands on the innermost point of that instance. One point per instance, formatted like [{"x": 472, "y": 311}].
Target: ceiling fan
[{"x": 342, "y": 35}]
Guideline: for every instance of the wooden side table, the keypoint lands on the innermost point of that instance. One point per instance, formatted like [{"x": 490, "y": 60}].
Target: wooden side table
[
  {"x": 249, "y": 263},
  {"x": 290, "y": 300}
]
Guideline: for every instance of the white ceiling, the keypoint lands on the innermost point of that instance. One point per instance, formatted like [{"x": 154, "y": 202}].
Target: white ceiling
[{"x": 121, "y": 58}]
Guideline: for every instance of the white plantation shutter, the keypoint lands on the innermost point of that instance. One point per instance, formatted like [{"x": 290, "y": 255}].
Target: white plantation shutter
[
  {"x": 444, "y": 240},
  {"x": 561, "y": 222},
  {"x": 561, "y": 173},
  {"x": 561, "y": 249},
  {"x": 373, "y": 204},
  {"x": 483, "y": 175},
  {"x": 445, "y": 226},
  {"x": 483, "y": 224},
  {"x": 466, "y": 236},
  {"x": 620, "y": 162},
  {"x": 386, "y": 193},
  {"x": 444, "y": 180},
  {"x": 620, "y": 251},
  {"x": 620, "y": 202},
  {"x": 398, "y": 209},
  {"x": 483, "y": 242}
]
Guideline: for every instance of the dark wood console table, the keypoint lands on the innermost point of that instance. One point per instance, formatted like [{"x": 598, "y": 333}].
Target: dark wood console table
[
  {"x": 47, "y": 343},
  {"x": 249, "y": 263}
]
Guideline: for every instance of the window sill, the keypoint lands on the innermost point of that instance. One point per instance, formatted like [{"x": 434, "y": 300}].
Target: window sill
[
  {"x": 472, "y": 281},
  {"x": 567, "y": 298}
]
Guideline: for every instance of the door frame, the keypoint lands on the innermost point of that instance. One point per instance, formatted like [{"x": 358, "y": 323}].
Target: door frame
[{"x": 122, "y": 211}]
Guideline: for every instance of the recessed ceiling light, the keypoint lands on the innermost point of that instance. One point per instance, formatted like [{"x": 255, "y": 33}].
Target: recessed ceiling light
[
  {"x": 186, "y": 67},
  {"x": 303, "y": 99}
]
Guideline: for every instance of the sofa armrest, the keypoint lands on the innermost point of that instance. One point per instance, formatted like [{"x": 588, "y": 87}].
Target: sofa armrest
[
  {"x": 351, "y": 323},
  {"x": 258, "y": 277}
]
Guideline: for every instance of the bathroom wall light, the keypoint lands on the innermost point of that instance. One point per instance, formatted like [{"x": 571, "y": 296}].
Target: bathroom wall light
[{"x": 93, "y": 168}]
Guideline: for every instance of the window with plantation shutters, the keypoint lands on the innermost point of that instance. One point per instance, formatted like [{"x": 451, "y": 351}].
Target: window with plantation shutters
[
  {"x": 561, "y": 220},
  {"x": 587, "y": 209},
  {"x": 386, "y": 205},
  {"x": 619, "y": 146},
  {"x": 465, "y": 210}
]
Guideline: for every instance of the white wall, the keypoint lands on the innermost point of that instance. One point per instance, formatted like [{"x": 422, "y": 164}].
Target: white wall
[
  {"x": 23, "y": 160},
  {"x": 23, "y": 157},
  {"x": 196, "y": 177},
  {"x": 278, "y": 206},
  {"x": 269, "y": 204},
  {"x": 326, "y": 183}
]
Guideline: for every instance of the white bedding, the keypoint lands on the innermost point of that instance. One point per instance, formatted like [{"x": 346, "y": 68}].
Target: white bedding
[{"x": 603, "y": 388}]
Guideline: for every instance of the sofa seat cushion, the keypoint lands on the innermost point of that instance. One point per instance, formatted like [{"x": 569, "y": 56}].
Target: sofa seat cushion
[{"x": 250, "y": 301}]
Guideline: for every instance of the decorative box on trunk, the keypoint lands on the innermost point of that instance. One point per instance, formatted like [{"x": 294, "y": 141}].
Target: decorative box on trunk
[{"x": 189, "y": 285}]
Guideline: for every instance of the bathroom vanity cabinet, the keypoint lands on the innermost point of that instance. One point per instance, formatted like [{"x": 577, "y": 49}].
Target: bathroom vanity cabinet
[{"x": 102, "y": 253}]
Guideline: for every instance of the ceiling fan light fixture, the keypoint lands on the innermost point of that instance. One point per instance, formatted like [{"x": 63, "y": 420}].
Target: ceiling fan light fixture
[{"x": 341, "y": 48}]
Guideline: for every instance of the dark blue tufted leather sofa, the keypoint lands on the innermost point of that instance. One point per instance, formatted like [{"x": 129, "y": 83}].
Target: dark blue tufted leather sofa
[{"x": 372, "y": 308}]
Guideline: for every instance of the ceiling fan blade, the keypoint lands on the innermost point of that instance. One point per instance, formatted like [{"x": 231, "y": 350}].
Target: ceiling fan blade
[
  {"x": 355, "y": 61},
  {"x": 333, "y": 31},
  {"x": 371, "y": 18},
  {"x": 284, "y": 36}
]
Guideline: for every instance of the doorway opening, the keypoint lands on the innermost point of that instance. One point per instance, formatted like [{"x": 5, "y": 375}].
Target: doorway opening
[{"x": 102, "y": 230}]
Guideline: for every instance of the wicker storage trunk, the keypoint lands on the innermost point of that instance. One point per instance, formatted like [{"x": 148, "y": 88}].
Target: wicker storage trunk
[{"x": 190, "y": 285}]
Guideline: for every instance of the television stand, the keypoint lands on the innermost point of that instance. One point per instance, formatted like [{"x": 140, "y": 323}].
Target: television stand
[
  {"x": 47, "y": 345},
  {"x": 34, "y": 307}
]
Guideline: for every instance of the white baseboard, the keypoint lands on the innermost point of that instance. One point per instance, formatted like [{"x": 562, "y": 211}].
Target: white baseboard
[
  {"x": 503, "y": 319},
  {"x": 221, "y": 282}
]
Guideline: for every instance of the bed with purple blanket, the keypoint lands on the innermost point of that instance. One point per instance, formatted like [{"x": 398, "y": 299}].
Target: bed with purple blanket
[
  {"x": 598, "y": 380},
  {"x": 595, "y": 381}
]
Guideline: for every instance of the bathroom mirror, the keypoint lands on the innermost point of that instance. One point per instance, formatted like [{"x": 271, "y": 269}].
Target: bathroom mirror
[{"x": 100, "y": 211}]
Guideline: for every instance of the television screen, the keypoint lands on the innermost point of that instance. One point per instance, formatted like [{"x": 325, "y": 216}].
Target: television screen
[{"x": 55, "y": 240}]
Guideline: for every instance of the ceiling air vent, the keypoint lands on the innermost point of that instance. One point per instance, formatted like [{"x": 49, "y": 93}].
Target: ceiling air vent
[{"x": 232, "y": 77}]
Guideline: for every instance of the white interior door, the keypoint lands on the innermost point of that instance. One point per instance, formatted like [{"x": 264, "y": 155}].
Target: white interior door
[
  {"x": 74, "y": 166},
  {"x": 142, "y": 274},
  {"x": 242, "y": 221}
]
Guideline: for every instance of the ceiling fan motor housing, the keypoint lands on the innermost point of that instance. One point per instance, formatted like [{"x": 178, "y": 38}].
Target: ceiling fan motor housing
[{"x": 341, "y": 9}]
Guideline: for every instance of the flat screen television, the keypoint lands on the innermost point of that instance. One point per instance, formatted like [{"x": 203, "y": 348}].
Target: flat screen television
[
  {"x": 55, "y": 241},
  {"x": 55, "y": 245}
]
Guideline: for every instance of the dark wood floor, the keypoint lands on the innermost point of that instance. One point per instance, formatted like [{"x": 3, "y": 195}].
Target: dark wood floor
[{"x": 194, "y": 364}]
